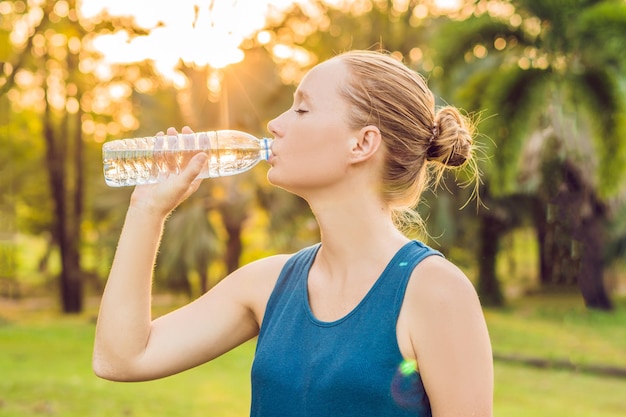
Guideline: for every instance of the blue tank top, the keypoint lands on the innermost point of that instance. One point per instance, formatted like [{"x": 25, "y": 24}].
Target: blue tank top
[{"x": 351, "y": 367}]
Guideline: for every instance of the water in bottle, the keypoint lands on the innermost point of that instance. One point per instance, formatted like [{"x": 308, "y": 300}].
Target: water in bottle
[{"x": 149, "y": 160}]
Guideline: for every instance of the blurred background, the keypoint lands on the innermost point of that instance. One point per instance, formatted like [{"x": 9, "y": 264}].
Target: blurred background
[{"x": 544, "y": 243}]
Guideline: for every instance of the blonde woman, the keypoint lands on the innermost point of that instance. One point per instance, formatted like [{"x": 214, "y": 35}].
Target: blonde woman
[{"x": 365, "y": 323}]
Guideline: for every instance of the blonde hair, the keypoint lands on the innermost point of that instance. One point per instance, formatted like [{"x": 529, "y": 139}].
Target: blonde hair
[{"x": 420, "y": 142}]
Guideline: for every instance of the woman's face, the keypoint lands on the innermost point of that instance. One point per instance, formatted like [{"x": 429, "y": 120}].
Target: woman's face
[{"x": 311, "y": 146}]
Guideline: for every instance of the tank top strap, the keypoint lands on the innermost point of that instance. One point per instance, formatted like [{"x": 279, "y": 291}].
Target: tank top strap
[
  {"x": 291, "y": 282},
  {"x": 407, "y": 259}
]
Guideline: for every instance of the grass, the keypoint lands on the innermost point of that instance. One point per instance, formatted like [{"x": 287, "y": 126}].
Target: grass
[
  {"x": 45, "y": 367},
  {"x": 559, "y": 327},
  {"x": 521, "y": 391},
  {"x": 45, "y": 370}
]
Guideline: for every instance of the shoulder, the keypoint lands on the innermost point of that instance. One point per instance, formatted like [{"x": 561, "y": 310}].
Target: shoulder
[
  {"x": 449, "y": 337},
  {"x": 441, "y": 305},
  {"x": 258, "y": 275},
  {"x": 438, "y": 293},
  {"x": 437, "y": 281},
  {"x": 254, "y": 282}
]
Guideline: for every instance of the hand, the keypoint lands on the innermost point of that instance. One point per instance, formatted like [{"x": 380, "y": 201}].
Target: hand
[{"x": 163, "y": 197}]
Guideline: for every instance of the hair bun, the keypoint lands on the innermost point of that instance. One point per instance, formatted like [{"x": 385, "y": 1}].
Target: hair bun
[{"x": 451, "y": 140}]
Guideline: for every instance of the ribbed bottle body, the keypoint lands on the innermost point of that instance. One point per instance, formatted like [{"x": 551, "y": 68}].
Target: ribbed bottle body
[{"x": 151, "y": 159}]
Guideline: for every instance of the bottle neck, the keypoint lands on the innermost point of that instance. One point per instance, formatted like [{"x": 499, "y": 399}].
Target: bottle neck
[{"x": 266, "y": 145}]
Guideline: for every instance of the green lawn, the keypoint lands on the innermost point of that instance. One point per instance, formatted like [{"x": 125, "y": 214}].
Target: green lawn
[
  {"x": 559, "y": 327},
  {"x": 45, "y": 368}
]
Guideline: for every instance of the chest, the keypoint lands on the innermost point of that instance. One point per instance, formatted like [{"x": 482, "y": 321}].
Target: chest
[
  {"x": 325, "y": 354},
  {"x": 349, "y": 367},
  {"x": 330, "y": 301}
]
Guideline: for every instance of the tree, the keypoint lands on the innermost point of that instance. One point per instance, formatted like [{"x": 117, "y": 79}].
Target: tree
[
  {"x": 62, "y": 107},
  {"x": 53, "y": 59},
  {"x": 560, "y": 106}
]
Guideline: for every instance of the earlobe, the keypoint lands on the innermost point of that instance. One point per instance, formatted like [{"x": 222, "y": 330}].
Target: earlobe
[{"x": 366, "y": 143}]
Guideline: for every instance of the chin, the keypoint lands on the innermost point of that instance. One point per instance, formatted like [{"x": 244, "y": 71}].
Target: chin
[{"x": 274, "y": 179}]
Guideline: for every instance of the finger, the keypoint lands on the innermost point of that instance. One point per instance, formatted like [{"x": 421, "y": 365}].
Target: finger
[
  {"x": 195, "y": 166},
  {"x": 195, "y": 184},
  {"x": 171, "y": 131},
  {"x": 186, "y": 129}
]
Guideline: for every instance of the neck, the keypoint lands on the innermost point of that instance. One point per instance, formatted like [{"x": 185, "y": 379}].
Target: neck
[{"x": 356, "y": 230}]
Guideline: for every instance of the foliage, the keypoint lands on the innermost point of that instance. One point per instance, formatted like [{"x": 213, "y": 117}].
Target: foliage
[
  {"x": 543, "y": 70},
  {"x": 193, "y": 246},
  {"x": 48, "y": 61},
  {"x": 553, "y": 111}
]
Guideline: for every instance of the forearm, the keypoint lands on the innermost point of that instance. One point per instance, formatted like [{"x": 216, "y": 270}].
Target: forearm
[{"x": 124, "y": 320}]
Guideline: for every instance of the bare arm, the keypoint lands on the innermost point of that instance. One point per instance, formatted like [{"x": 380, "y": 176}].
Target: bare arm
[
  {"x": 451, "y": 341},
  {"x": 129, "y": 345}
]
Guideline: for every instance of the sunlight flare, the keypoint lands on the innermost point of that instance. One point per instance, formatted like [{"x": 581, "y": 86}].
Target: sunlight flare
[{"x": 196, "y": 32}]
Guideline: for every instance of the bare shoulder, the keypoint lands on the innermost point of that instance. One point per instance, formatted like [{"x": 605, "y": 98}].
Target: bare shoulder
[
  {"x": 440, "y": 299},
  {"x": 253, "y": 283},
  {"x": 437, "y": 281}
]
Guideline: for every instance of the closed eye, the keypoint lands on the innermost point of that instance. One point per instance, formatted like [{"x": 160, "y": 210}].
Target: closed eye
[{"x": 300, "y": 111}]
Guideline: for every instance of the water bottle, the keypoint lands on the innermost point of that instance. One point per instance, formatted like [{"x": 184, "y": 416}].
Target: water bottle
[{"x": 151, "y": 159}]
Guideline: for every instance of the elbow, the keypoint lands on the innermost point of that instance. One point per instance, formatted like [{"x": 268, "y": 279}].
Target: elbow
[
  {"x": 109, "y": 370},
  {"x": 104, "y": 370},
  {"x": 101, "y": 372}
]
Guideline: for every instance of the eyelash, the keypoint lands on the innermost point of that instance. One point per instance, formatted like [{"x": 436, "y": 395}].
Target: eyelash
[{"x": 300, "y": 111}]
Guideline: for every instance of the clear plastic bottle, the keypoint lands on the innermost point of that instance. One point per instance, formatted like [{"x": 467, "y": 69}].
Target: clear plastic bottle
[{"x": 151, "y": 159}]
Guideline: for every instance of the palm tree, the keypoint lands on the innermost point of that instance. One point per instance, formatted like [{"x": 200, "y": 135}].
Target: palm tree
[{"x": 548, "y": 76}]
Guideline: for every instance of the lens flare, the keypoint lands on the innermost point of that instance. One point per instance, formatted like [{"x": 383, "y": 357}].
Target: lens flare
[
  {"x": 407, "y": 367},
  {"x": 407, "y": 388}
]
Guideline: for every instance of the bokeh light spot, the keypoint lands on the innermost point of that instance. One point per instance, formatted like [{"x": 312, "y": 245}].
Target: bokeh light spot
[{"x": 408, "y": 367}]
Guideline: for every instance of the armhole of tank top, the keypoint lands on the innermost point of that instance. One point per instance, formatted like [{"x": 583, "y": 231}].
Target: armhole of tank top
[{"x": 303, "y": 256}]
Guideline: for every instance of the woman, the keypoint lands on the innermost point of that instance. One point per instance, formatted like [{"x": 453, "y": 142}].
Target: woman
[{"x": 366, "y": 323}]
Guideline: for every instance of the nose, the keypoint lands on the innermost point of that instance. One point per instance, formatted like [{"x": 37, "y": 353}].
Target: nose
[{"x": 273, "y": 126}]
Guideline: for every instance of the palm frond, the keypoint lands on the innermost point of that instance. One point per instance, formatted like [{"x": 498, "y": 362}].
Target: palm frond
[
  {"x": 514, "y": 102},
  {"x": 457, "y": 38},
  {"x": 603, "y": 24},
  {"x": 599, "y": 92}
]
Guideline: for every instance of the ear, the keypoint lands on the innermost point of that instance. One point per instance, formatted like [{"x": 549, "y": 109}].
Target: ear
[{"x": 365, "y": 144}]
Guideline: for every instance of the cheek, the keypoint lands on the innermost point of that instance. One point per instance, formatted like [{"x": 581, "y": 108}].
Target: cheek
[
  {"x": 310, "y": 153},
  {"x": 307, "y": 167}
]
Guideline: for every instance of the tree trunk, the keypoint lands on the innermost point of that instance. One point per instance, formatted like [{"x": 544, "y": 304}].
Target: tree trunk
[
  {"x": 233, "y": 226},
  {"x": 559, "y": 267},
  {"x": 592, "y": 246},
  {"x": 234, "y": 212},
  {"x": 204, "y": 281},
  {"x": 66, "y": 227},
  {"x": 578, "y": 248},
  {"x": 490, "y": 233},
  {"x": 540, "y": 221},
  {"x": 71, "y": 279}
]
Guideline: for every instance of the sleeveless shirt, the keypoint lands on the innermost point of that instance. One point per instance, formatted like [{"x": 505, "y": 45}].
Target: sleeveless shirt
[{"x": 351, "y": 367}]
